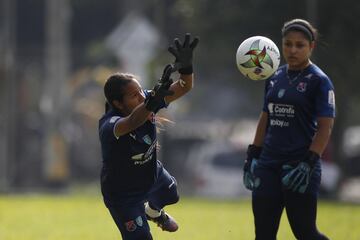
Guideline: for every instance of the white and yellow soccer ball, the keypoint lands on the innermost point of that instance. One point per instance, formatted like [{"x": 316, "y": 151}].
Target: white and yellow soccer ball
[{"x": 258, "y": 58}]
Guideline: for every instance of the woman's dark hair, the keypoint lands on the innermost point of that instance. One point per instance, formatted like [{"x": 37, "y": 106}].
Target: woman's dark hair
[
  {"x": 115, "y": 84},
  {"x": 114, "y": 87},
  {"x": 300, "y": 25}
]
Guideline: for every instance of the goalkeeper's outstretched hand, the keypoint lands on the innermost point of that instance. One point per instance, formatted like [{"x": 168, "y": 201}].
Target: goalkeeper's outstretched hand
[{"x": 183, "y": 53}]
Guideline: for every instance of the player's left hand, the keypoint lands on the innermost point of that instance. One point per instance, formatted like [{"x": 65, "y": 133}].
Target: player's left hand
[
  {"x": 184, "y": 53},
  {"x": 298, "y": 177},
  {"x": 160, "y": 90}
]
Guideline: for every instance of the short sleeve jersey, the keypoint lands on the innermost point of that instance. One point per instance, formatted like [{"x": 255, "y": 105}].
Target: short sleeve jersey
[
  {"x": 129, "y": 161},
  {"x": 294, "y": 100}
]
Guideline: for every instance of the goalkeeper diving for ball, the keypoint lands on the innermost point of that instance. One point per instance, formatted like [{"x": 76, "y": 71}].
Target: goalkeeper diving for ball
[{"x": 135, "y": 185}]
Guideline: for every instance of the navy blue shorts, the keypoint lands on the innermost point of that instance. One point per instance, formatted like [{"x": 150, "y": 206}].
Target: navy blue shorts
[
  {"x": 270, "y": 173},
  {"x": 128, "y": 212}
]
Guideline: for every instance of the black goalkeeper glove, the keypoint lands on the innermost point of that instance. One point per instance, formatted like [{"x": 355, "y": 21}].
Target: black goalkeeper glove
[
  {"x": 184, "y": 54},
  {"x": 154, "y": 101}
]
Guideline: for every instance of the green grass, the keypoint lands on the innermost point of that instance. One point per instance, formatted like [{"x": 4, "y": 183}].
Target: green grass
[{"x": 77, "y": 217}]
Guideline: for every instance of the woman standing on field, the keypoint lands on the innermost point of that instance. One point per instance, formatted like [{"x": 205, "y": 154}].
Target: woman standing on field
[{"x": 283, "y": 166}]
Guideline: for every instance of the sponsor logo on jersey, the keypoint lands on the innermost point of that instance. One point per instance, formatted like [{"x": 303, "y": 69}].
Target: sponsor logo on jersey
[
  {"x": 301, "y": 87},
  {"x": 281, "y": 110},
  {"x": 279, "y": 123},
  {"x": 271, "y": 108},
  {"x": 138, "y": 157},
  {"x": 150, "y": 150},
  {"x": 281, "y": 93},
  {"x": 142, "y": 158}
]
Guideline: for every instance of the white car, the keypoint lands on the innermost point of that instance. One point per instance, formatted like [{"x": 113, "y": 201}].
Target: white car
[{"x": 216, "y": 169}]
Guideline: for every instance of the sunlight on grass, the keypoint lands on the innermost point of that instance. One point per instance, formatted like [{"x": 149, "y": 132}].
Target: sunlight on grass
[{"x": 59, "y": 217}]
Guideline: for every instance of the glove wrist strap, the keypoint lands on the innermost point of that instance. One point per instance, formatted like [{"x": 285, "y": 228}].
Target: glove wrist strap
[
  {"x": 187, "y": 70},
  {"x": 254, "y": 151},
  {"x": 151, "y": 104},
  {"x": 312, "y": 157}
]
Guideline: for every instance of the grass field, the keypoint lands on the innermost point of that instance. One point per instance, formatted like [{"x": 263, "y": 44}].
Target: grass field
[{"x": 78, "y": 217}]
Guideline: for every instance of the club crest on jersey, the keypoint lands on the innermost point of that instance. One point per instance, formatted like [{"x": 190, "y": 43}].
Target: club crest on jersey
[
  {"x": 130, "y": 226},
  {"x": 301, "y": 87},
  {"x": 147, "y": 139},
  {"x": 281, "y": 93},
  {"x": 139, "y": 221}
]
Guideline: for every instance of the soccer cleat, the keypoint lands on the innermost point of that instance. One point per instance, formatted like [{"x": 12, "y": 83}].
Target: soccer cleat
[{"x": 164, "y": 221}]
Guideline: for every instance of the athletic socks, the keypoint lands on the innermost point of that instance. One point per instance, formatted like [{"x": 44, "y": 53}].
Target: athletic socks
[{"x": 153, "y": 213}]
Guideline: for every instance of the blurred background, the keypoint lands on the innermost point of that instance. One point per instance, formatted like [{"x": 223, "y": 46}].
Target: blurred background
[{"x": 56, "y": 54}]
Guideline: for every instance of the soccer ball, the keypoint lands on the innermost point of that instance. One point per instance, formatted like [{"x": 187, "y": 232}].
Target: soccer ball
[{"x": 258, "y": 58}]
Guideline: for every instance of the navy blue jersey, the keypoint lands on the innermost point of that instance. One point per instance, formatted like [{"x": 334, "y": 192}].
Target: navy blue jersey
[
  {"x": 293, "y": 101},
  {"x": 129, "y": 162}
]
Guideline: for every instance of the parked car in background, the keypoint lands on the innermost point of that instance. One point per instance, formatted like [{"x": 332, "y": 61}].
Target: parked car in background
[
  {"x": 207, "y": 158},
  {"x": 217, "y": 170}
]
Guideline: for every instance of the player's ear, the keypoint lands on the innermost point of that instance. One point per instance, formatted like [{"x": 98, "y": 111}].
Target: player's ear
[{"x": 312, "y": 45}]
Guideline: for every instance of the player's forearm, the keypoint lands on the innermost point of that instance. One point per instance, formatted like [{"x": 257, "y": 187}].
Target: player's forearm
[
  {"x": 261, "y": 130},
  {"x": 322, "y": 135},
  {"x": 137, "y": 118},
  {"x": 186, "y": 82},
  {"x": 180, "y": 87}
]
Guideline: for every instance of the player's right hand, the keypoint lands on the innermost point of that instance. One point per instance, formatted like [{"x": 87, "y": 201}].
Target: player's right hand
[{"x": 249, "y": 178}]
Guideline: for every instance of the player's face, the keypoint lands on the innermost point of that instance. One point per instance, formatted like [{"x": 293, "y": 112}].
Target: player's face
[
  {"x": 297, "y": 50},
  {"x": 134, "y": 96}
]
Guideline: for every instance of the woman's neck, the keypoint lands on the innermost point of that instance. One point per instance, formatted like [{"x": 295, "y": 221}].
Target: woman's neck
[{"x": 299, "y": 67}]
